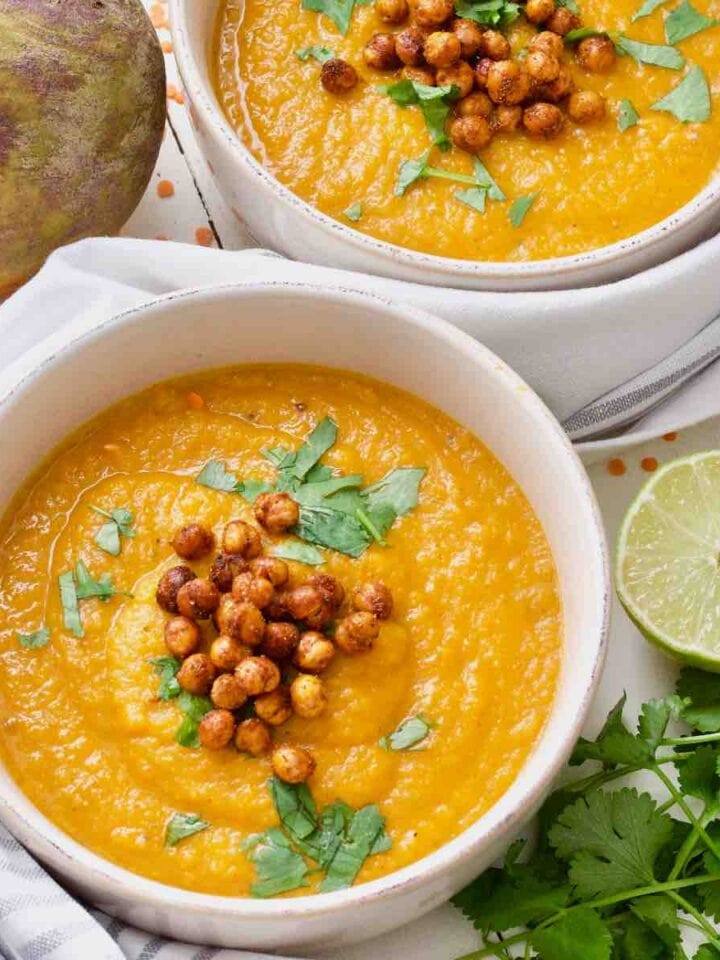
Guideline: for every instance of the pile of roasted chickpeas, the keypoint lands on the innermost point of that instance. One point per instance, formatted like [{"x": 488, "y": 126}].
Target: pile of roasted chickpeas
[
  {"x": 498, "y": 93},
  {"x": 273, "y": 638}
]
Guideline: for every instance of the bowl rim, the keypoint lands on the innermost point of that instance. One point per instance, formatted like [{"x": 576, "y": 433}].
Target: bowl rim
[
  {"x": 63, "y": 853},
  {"x": 561, "y": 268}
]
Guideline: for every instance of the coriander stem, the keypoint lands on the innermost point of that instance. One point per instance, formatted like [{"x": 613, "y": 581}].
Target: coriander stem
[
  {"x": 700, "y": 738},
  {"x": 448, "y": 175},
  {"x": 671, "y": 788},
  {"x": 690, "y": 910},
  {"x": 686, "y": 850}
]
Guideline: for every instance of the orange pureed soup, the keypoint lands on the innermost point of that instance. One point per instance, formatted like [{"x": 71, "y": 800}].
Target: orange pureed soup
[
  {"x": 592, "y": 184},
  {"x": 470, "y": 653}
]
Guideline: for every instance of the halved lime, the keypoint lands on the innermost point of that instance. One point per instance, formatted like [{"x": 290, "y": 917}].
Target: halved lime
[{"x": 668, "y": 559}]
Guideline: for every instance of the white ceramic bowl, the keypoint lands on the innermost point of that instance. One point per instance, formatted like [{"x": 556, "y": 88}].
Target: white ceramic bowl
[
  {"x": 79, "y": 372},
  {"x": 282, "y": 221}
]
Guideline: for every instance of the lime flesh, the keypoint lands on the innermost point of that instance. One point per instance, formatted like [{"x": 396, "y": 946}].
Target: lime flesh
[{"x": 668, "y": 559}]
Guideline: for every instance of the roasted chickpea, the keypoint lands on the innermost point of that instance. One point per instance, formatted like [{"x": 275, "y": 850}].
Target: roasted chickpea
[
  {"x": 226, "y": 653},
  {"x": 169, "y": 587},
  {"x": 543, "y": 120},
  {"x": 482, "y": 69},
  {"x": 225, "y": 568},
  {"x": 442, "y": 48},
  {"x": 193, "y": 541},
  {"x": 278, "y": 512},
  {"x": 431, "y": 13},
  {"x": 374, "y": 597},
  {"x": 506, "y": 119},
  {"x": 596, "y": 54},
  {"x": 330, "y": 588},
  {"x": 292, "y": 764},
  {"x": 508, "y": 82},
  {"x": 242, "y": 539},
  {"x": 409, "y": 45},
  {"x": 307, "y": 695},
  {"x": 271, "y": 568},
  {"x": 538, "y": 11},
  {"x": 182, "y": 636},
  {"x": 558, "y": 89},
  {"x": 562, "y": 21},
  {"x": 198, "y": 599},
  {"x": 314, "y": 652},
  {"x": 549, "y": 42},
  {"x": 216, "y": 729},
  {"x": 278, "y": 608},
  {"x": 470, "y": 133},
  {"x": 419, "y": 75},
  {"x": 337, "y": 76},
  {"x": 305, "y": 601},
  {"x": 460, "y": 75},
  {"x": 542, "y": 66},
  {"x": 495, "y": 45},
  {"x": 253, "y": 736},
  {"x": 228, "y": 692},
  {"x": 258, "y": 675},
  {"x": 248, "y": 588},
  {"x": 469, "y": 34},
  {"x": 379, "y": 52},
  {"x": 586, "y": 106},
  {"x": 476, "y": 104},
  {"x": 241, "y": 621},
  {"x": 392, "y": 11},
  {"x": 280, "y": 640},
  {"x": 196, "y": 674},
  {"x": 274, "y": 708},
  {"x": 356, "y": 632}
]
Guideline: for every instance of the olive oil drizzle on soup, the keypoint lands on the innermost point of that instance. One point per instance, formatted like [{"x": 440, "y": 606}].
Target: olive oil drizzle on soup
[
  {"x": 470, "y": 652},
  {"x": 597, "y": 181}
]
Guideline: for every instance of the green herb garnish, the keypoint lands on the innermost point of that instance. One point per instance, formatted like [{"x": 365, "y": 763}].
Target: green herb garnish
[
  {"x": 685, "y": 21},
  {"x": 296, "y": 550},
  {"x": 690, "y": 99},
  {"x": 87, "y": 587},
  {"x": 655, "y": 54},
  {"x": 215, "y": 476},
  {"x": 119, "y": 523},
  {"x": 69, "y": 600},
  {"x": 494, "y": 13},
  {"x": 321, "y": 54},
  {"x": 519, "y": 209},
  {"x": 353, "y": 212},
  {"x": 339, "y": 11},
  {"x": 279, "y": 867},
  {"x": 582, "y": 33},
  {"x": 648, "y": 7},
  {"x": 183, "y": 825},
  {"x": 409, "y": 733},
  {"x": 410, "y": 171},
  {"x": 36, "y": 640},
  {"x": 434, "y": 102},
  {"x": 473, "y": 197},
  {"x": 317, "y": 443},
  {"x": 194, "y": 708},
  {"x": 627, "y": 115},
  {"x": 484, "y": 179},
  {"x": 166, "y": 668}
]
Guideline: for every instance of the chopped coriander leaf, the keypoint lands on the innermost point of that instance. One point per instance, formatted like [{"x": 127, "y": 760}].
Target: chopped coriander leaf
[
  {"x": 689, "y": 101},
  {"x": 332, "y": 528},
  {"x": 295, "y": 807},
  {"x": 370, "y": 526},
  {"x": 250, "y": 490},
  {"x": 194, "y": 708},
  {"x": 183, "y": 825},
  {"x": 410, "y": 172},
  {"x": 364, "y": 836},
  {"x": 627, "y": 115},
  {"x": 519, "y": 209},
  {"x": 36, "y": 640},
  {"x": 166, "y": 668},
  {"x": 648, "y": 7},
  {"x": 298, "y": 551},
  {"x": 215, "y": 476},
  {"x": 582, "y": 33},
  {"x": 399, "y": 490},
  {"x": 321, "y": 54},
  {"x": 495, "y": 13},
  {"x": 434, "y": 102},
  {"x": 339, "y": 11},
  {"x": 353, "y": 212},
  {"x": 279, "y": 867},
  {"x": 583, "y": 926},
  {"x": 119, "y": 524},
  {"x": 316, "y": 444},
  {"x": 484, "y": 179},
  {"x": 685, "y": 21},
  {"x": 655, "y": 54},
  {"x": 87, "y": 587},
  {"x": 473, "y": 197},
  {"x": 69, "y": 601},
  {"x": 409, "y": 733}
]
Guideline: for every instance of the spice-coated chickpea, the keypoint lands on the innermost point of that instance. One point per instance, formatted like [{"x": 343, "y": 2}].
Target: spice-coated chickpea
[
  {"x": 538, "y": 11},
  {"x": 304, "y": 601},
  {"x": 198, "y": 599},
  {"x": 357, "y": 631},
  {"x": 508, "y": 82},
  {"x": 431, "y": 13},
  {"x": 562, "y": 21},
  {"x": 506, "y": 119},
  {"x": 392, "y": 11},
  {"x": 543, "y": 120},
  {"x": 253, "y": 736},
  {"x": 216, "y": 729},
  {"x": 596, "y": 54},
  {"x": 242, "y": 539},
  {"x": 586, "y": 106},
  {"x": 271, "y": 568},
  {"x": 169, "y": 586},
  {"x": 442, "y": 49},
  {"x": 495, "y": 45},
  {"x": 292, "y": 764},
  {"x": 329, "y": 587},
  {"x": 469, "y": 34},
  {"x": 228, "y": 692},
  {"x": 307, "y": 695},
  {"x": 379, "y": 52},
  {"x": 482, "y": 69},
  {"x": 314, "y": 652},
  {"x": 241, "y": 621},
  {"x": 196, "y": 674},
  {"x": 477, "y": 104},
  {"x": 558, "y": 89},
  {"x": 337, "y": 76},
  {"x": 409, "y": 44},
  {"x": 182, "y": 636},
  {"x": 470, "y": 133},
  {"x": 193, "y": 541},
  {"x": 225, "y": 567},
  {"x": 274, "y": 708},
  {"x": 280, "y": 640},
  {"x": 278, "y": 512},
  {"x": 278, "y": 608},
  {"x": 375, "y": 597},
  {"x": 258, "y": 675},
  {"x": 542, "y": 66},
  {"x": 459, "y": 74},
  {"x": 226, "y": 653},
  {"x": 549, "y": 42},
  {"x": 251, "y": 589},
  {"x": 419, "y": 75}
]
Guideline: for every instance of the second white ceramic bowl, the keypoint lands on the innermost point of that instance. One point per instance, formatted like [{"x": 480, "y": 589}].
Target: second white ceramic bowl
[{"x": 80, "y": 371}]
